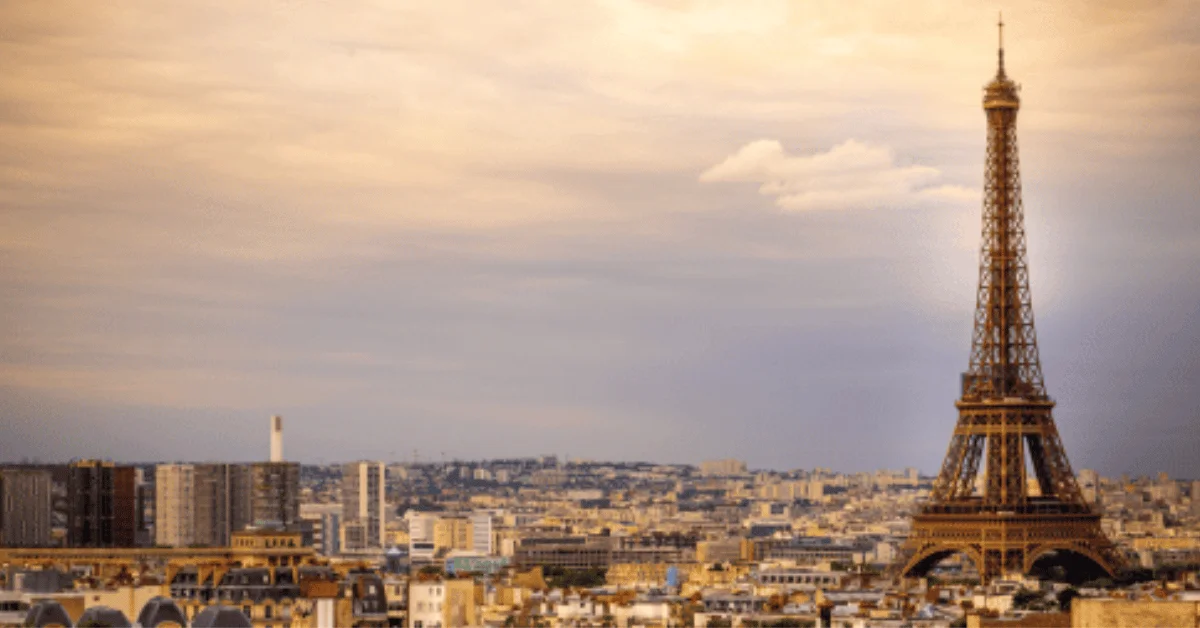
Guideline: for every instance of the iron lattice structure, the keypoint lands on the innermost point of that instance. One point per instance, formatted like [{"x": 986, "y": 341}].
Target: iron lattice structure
[{"x": 1027, "y": 503}]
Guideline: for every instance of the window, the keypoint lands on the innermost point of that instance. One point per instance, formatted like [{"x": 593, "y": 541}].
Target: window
[{"x": 267, "y": 612}]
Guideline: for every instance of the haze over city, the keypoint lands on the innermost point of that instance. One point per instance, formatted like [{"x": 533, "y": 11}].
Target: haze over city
[{"x": 667, "y": 231}]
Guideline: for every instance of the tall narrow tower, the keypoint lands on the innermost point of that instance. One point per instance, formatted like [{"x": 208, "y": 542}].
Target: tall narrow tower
[
  {"x": 276, "y": 438},
  {"x": 1028, "y": 504}
]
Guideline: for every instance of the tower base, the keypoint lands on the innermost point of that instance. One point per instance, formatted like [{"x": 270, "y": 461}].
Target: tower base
[{"x": 1000, "y": 543}]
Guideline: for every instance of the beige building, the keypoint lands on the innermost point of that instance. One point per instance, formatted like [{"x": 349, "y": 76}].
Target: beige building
[
  {"x": 174, "y": 501},
  {"x": 200, "y": 504},
  {"x": 729, "y": 466},
  {"x": 453, "y": 533},
  {"x": 1089, "y": 613},
  {"x": 364, "y": 507},
  {"x": 442, "y": 603}
]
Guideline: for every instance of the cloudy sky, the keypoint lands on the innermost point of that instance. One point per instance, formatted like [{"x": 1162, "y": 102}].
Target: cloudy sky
[{"x": 663, "y": 230}]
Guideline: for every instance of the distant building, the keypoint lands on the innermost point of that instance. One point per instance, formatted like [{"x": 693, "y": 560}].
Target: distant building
[
  {"x": 1112, "y": 612},
  {"x": 222, "y": 502},
  {"x": 453, "y": 533},
  {"x": 143, "y": 506},
  {"x": 364, "y": 507},
  {"x": 275, "y": 494},
  {"x": 725, "y": 467},
  {"x": 125, "y": 506},
  {"x": 175, "y": 517},
  {"x": 90, "y": 487},
  {"x": 481, "y": 533},
  {"x": 575, "y": 552},
  {"x": 421, "y": 535},
  {"x": 204, "y": 504},
  {"x": 323, "y": 522},
  {"x": 442, "y": 603},
  {"x": 25, "y": 508}
]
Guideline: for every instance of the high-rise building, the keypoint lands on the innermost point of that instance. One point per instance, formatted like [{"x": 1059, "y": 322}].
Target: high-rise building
[
  {"x": 325, "y": 521},
  {"x": 174, "y": 509},
  {"x": 202, "y": 504},
  {"x": 274, "y": 494},
  {"x": 481, "y": 532},
  {"x": 143, "y": 506},
  {"x": 25, "y": 508},
  {"x": 364, "y": 507},
  {"x": 125, "y": 506},
  {"x": 221, "y": 502},
  {"x": 90, "y": 486}
]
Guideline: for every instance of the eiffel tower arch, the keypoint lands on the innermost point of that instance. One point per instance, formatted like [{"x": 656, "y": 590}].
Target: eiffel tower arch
[{"x": 1024, "y": 503}]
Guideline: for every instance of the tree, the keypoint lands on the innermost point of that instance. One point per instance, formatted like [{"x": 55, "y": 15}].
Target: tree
[
  {"x": 1065, "y": 597},
  {"x": 1025, "y": 597}
]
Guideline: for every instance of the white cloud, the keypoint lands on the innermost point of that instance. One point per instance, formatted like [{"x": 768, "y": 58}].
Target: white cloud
[{"x": 851, "y": 175}]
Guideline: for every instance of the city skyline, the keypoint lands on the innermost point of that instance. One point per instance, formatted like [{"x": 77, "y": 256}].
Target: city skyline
[{"x": 620, "y": 230}]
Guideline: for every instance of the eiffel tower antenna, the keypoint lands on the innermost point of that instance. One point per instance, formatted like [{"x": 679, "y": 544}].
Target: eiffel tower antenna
[
  {"x": 1005, "y": 417},
  {"x": 1000, "y": 26}
]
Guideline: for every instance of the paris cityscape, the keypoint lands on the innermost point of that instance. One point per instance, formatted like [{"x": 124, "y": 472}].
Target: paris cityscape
[{"x": 270, "y": 364}]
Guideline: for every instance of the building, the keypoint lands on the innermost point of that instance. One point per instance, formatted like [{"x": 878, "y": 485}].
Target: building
[
  {"x": 566, "y": 552},
  {"x": 90, "y": 485},
  {"x": 25, "y": 508},
  {"x": 174, "y": 507},
  {"x": 201, "y": 504},
  {"x": 453, "y": 533},
  {"x": 812, "y": 550},
  {"x": 1132, "y": 614},
  {"x": 125, "y": 506},
  {"x": 222, "y": 498},
  {"x": 274, "y": 495},
  {"x": 729, "y": 466},
  {"x": 421, "y": 535},
  {"x": 364, "y": 507},
  {"x": 481, "y": 533},
  {"x": 441, "y": 604},
  {"x": 143, "y": 506},
  {"x": 323, "y": 522}
]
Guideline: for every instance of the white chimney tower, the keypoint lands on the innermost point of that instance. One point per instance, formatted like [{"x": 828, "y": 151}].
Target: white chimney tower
[{"x": 276, "y": 438}]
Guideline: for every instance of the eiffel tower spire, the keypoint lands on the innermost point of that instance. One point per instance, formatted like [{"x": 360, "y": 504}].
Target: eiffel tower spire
[
  {"x": 1005, "y": 416},
  {"x": 1000, "y": 26}
]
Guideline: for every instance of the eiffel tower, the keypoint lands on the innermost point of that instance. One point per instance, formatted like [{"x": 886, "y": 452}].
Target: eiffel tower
[{"x": 1027, "y": 505}]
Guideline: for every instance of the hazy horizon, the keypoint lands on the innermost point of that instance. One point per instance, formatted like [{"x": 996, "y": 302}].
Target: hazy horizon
[{"x": 660, "y": 229}]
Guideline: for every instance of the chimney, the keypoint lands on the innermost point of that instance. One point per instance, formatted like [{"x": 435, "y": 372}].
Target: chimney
[{"x": 276, "y": 438}]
